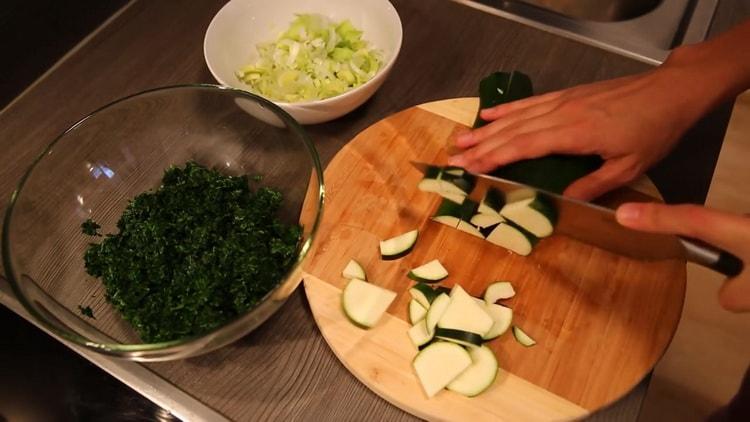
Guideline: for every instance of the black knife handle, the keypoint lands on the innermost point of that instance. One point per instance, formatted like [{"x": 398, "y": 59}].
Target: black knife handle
[{"x": 717, "y": 259}]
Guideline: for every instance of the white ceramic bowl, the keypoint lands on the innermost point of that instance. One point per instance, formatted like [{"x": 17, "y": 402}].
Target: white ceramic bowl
[{"x": 234, "y": 32}]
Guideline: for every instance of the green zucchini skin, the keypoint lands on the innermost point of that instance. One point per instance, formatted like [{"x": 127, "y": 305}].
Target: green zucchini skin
[
  {"x": 553, "y": 173},
  {"x": 500, "y": 88},
  {"x": 463, "y": 337}
]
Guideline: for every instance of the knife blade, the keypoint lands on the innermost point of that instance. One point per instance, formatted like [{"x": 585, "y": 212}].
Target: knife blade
[{"x": 596, "y": 225}]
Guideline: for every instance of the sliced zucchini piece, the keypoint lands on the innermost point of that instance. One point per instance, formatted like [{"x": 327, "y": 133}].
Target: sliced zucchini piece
[
  {"x": 492, "y": 202},
  {"x": 448, "y": 213},
  {"x": 433, "y": 172},
  {"x": 467, "y": 227},
  {"x": 479, "y": 376},
  {"x": 468, "y": 209},
  {"x": 460, "y": 185},
  {"x": 430, "y": 272},
  {"x": 442, "y": 289},
  {"x": 459, "y": 199},
  {"x": 438, "y": 364},
  {"x": 463, "y": 338},
  {"x": 436, "y": 311},
  {"x": 354, "y": 270},
  {"x": 501, "y": 316},
  {"x": 482, "y": 220},
  {"x": 399, "y": 246},
  {"x": 465, "y": 314},
  {"x": 364, "y": 303},
  {"x": 450, "y": 182},
  {"x": 522, "y": 337},
  {"x": 535, "y": 214},
  {"x": 499, "y": 290},
  {"x": 419, "y": 335},
  {"x": 423, "y": 294},
  {"x": 417, "y": 312},
  {"x": 512, "y": 237},
  {"x": 454, "y": 171}
]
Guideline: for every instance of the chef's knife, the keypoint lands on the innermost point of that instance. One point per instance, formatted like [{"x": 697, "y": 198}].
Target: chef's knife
[{"x": 596, "y": 225}]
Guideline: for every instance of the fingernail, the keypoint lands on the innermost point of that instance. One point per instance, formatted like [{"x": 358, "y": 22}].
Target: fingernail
[
  {"x": 628, "y": 213},
  {"x": 457, "y": 160}
]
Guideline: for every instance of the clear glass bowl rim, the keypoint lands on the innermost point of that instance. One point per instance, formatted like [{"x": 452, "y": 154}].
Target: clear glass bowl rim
[{"x": 173, "y": 346}]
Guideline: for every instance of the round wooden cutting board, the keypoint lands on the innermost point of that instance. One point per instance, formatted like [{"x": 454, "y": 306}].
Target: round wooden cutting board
[{"x": 601, "y": 321}]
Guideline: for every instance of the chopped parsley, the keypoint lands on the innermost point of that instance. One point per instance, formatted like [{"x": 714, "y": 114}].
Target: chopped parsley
[
  {"x": 193, "y": 254},
  {"x": 86, "y": 311},
  {"x": 90, "y": 228}
]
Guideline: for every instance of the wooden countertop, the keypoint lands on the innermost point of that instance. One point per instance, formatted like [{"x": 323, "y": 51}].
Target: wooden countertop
[{"x": 285, "y": 369}]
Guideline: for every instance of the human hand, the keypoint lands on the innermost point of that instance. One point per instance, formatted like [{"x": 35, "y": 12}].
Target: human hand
[
  {"x": 631, "y": 122},
  {"x": 728, "y": 231}
]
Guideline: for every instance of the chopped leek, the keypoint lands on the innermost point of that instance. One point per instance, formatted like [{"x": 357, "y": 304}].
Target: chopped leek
[{"x": 313, "y": 59}]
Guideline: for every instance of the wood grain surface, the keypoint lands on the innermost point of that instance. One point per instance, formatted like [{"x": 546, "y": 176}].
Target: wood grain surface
[
  {"x": 284, "y": 370},
  {"x": 601, "y": 320}
]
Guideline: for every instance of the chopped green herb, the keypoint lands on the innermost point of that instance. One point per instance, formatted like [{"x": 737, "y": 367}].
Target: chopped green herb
[
  {"x": 89, "y": 227},
  {"x": 86, "y": 311},
  {"x": 193, "y": 254},
  {"x": 256, "y": 177}
]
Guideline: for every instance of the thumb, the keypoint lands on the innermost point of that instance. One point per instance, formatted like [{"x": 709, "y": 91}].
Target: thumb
[{"x": 725, "y": 230}]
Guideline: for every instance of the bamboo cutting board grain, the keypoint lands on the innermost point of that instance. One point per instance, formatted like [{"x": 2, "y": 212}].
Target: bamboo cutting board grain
[{"x": 601, "y": 321}]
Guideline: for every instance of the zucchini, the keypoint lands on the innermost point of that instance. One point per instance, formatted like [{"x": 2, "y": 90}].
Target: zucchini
[
  {"x": 479, "y": 376},
  {"x": 354, "y": 270},
  {"x": 492, "y": 202},
  {"x": 461, "y": 184},
  {"x": 464, "y": 314},
  {"x": 399, "y": 246},
  {"x": 364, "y": 303},
  {"x": 448, "y": 213},
  {"x": 423, "y": 294},
  {"x": 430, "y": 272},
  {"x": 419, "y": 335},
  {"x": 538, "y": 172},
  {"x": 442, "y": 289},
  {"x": 469, "y": 228},
  {"x": 436, "y": 311},
  {"x": 500, "y": 88},
  {"x": 512, "y": 237},
  {"x": 464, "y": 338},
  {"x": 452, "y": 183},
  {"x": 501, "y": 319},
  {"x": 522, "y": 337},
  {"x": 498, "y": 290},
  {"x": 536, "y": 214},
  {"x": 483, "y": 220},
  {"x": 454, "y": 171},
  {"x": 417, "y": 312},
  {"x": 440, "y": 363},
  {"x": 553, "y": 172}
]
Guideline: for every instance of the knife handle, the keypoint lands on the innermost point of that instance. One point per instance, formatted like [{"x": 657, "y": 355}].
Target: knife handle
[{"x": 717, "y": 259}]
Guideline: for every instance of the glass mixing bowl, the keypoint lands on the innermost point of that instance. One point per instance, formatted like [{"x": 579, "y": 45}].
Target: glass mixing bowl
[{"x": 94, "y": 168}]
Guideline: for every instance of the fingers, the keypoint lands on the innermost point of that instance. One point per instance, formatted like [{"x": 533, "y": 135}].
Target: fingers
[
  {"x": 614, "y": 173},
  {"x": 501, "y": 151},
  {"x": 496, "y": 112},
  {"x": 725, "y": 230},
  {"x": 525, "y": 120},
  {"x": 722, "y": 229}
]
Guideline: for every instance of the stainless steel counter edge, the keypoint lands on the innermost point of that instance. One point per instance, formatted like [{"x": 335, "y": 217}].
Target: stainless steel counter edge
[
  {"x": 132, "y": 374},
  {"x": 697, "y": 30}
]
